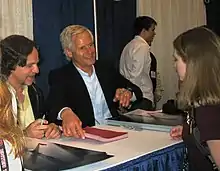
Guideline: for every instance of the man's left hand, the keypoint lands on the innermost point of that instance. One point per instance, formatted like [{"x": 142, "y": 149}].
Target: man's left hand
[
  {"x": 123, "y": 96},
  {"x": 53, "y": 131}
]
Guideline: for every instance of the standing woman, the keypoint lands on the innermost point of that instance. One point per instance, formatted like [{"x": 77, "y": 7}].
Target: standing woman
[
  {"x": 11, "y": 136},
  {"x": 197, "y": 61}
]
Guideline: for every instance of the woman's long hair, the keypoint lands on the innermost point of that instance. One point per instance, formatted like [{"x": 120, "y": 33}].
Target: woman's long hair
[
  {"x": 9, "y": 129},
  {"x": 199, "y": 48}
]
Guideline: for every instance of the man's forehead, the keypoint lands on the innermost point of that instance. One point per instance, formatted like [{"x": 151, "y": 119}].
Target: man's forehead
[
  {"x": 32, "y": 61},
  {"x": 84, "y": 38},
  {"x": 81, "y": 34},
  {"x": 74, "y": 36},
  {"x": 32, "y": 58}
]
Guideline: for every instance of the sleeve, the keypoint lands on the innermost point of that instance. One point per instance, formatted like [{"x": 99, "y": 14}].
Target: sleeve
[
  {"x": 59, "y": 114},
  {"x": 56, "y": 99},
  {"x": 119, "y": 81},
  {"x": 208, "y": 122},
  {"x": 124, "y": 83},
  {"x": 13, "y": 163}
]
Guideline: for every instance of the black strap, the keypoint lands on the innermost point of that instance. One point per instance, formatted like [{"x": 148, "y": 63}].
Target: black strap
[
  {"x": 3, "y": 157},
  {"x": 205, "y": 151}
]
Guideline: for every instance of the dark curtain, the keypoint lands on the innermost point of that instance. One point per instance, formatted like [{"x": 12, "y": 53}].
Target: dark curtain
[
  {"x": 115, "y": 27},
  {"x": 124, "y": 16},
  {"x": 213, "y": 15},
  {"x": 50, "y": 17}
]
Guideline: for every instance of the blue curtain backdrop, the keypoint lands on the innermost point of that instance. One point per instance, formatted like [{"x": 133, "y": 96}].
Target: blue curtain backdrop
[
  {"x": 212, "y": 15},
  {"x": 115, "y": 27},
  {"x": 50, "y": 17}
]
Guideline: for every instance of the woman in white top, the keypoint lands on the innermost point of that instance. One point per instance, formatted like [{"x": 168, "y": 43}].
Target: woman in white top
[{"x": 10, "y": 133}]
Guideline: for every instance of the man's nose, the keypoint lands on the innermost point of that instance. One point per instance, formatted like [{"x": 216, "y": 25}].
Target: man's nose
[
  {"x": 36, "y": 69},
  {"x": 91, "y": 49}
]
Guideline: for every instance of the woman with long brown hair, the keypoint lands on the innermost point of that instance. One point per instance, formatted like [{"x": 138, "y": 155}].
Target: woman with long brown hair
[{"x": 197, "y": 61}]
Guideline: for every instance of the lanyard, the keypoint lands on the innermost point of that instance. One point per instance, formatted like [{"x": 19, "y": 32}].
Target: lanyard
[{"x": 3, "y": 157}]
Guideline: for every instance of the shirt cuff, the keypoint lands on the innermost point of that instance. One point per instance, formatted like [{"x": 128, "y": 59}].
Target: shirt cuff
[
  {"x": 59, "y": 114},
  {"x": 133, "y": 98}
]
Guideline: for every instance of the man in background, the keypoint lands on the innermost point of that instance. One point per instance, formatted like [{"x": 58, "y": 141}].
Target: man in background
[{"x": 136, "y": 64}]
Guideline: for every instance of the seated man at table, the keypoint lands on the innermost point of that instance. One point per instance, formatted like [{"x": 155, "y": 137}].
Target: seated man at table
[
  {"x": 82, "y": 93},
  {"x": 19, "y": 62}
]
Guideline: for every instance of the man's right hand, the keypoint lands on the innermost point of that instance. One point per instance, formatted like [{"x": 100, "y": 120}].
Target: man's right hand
[
  {"x": 71, "y": 125},
  {"x": 35, "y": 129}
]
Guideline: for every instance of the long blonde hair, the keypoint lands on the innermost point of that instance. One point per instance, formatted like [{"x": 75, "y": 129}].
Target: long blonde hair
[
  {"x": 9, "y": 129},
  {"x": 199, "y": 48}
]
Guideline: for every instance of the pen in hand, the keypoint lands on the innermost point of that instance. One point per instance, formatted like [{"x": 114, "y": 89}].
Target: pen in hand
[{"x": 42, "y": 120}]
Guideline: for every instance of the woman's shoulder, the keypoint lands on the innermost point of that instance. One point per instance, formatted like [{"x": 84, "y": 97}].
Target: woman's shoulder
[
  {"x": 208, "y": 114},
  {"x": 208, "y": 108},
  {"x": 13, "y": 163},
  {"x": 208, "y": 122}
]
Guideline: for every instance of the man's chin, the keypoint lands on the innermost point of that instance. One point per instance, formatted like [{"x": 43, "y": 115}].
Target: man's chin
[
  {"x": 29, "y": 81},
  {"x": 92, "y": 62}
]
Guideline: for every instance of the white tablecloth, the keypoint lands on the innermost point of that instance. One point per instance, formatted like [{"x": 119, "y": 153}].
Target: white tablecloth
[{"x": 137, "y": 144}]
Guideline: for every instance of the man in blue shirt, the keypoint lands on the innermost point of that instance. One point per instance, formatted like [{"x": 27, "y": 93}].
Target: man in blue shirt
[{"x": 84, "y": 92}]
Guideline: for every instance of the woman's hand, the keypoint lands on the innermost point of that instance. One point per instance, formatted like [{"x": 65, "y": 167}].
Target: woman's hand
[{"x": 176, "y": 132}]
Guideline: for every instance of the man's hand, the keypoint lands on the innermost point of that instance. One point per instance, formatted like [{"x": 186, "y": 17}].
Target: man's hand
[
  {"x": 35, "y": 129},
  {"x": 123, "y": 96},
  {"x": 53, "y": 131},
  {"x": 72, "y": 126}
]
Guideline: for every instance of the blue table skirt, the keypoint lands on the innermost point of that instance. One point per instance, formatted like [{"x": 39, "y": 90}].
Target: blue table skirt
[{"x": 168, "y": 159}]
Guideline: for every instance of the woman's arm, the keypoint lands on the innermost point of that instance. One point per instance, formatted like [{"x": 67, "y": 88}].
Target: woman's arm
[{"x": 214, "y": 146}]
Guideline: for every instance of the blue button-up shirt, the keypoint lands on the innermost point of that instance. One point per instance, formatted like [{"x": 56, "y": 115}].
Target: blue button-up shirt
[{"x": 99, "y": 104}]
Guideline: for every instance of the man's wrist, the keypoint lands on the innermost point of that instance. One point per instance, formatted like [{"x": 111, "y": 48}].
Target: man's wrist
[
  {"x": 133, "y": 97},
  {"x": 64, "y": 112},
  {"x": 130, "y": 89}
]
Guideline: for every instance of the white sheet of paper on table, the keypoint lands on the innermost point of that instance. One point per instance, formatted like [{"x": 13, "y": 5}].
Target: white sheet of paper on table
[{"x": 155, "y": 114}]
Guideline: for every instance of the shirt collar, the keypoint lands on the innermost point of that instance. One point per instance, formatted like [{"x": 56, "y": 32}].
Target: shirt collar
[
  {"x": 13, "y": 90},
  {"x": 140, "y": 38},
  {"x": 83, "y": 73}
]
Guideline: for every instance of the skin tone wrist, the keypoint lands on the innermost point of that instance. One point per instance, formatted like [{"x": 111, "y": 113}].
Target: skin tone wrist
[{"x": 64, "y": 113}]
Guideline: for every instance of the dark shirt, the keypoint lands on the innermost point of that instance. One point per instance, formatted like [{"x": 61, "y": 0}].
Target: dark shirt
[
  {"x": 153, "y": 71},
  {"x": 37, "y": 101},
  {"x": 207, "y": 119}
]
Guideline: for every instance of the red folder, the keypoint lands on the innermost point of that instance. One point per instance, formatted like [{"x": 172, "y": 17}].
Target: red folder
[{"x": 104, "y": 135}]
